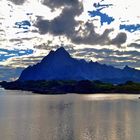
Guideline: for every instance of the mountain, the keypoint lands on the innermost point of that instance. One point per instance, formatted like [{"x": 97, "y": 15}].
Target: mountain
[{"x": 59, "y": 65}]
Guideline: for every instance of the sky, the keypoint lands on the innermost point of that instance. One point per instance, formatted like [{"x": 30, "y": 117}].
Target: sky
[{"x": 98, "y": 30}]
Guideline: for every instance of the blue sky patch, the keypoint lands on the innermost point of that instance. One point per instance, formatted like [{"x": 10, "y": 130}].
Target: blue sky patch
[
  {"x": 25, "y": 24},
  {"x": 104, "y": 18},
  {"x": 5, "y": 54},
  {"x": 130, "y": 28}
]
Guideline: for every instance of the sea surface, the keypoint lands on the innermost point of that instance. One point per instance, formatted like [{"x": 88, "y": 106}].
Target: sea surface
[{"x": 27, "y": 116}]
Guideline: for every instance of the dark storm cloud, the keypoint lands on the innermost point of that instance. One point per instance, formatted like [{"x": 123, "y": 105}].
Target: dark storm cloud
[
  {"x": 110, "y": 52},
  {"x": 119, "y": 39},
  {"x": 1, "y": 30},
  {"x": 43, "y": 26},
  {"x": 65, "y": 25},
  {"x": 91, "y": 37},
  {"x": 15, "y": 40},
  {"x": 17, "y": 2},
  {"x": 59, "y": 3},
  {"x": 111, "y": 57},
  {"x": 135, "y": 45}
]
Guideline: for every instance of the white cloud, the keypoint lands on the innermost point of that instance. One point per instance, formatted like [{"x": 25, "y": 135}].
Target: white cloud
[{"x": 31, "y": 10}]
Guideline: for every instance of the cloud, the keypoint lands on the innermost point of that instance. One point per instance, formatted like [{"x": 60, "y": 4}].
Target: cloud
[
  {"x": 118, "y": 58},
  {"x": 53, "y": 4},
  {"x": 90, "y": 37},
  {"x": 65, "y": 25},
  {"x": 9, "y": 73},
  {"x": 22, "y": 39},
  {"x": 48, "y": 46},
  {"x": 109, "y": 52},
  {"x": 25, "y": 60},
  {"x": 135, "y": 45},
  {"x": 119, "y": 39},
  {"x": 5, "y": 54},
  {"x": 43, "y": 26},
  {"x": 112, "y": 57},
  {"x": 12, "y": 68},
  {"x": 1, "y": 30},
  {"x": 17, "y": 2}
]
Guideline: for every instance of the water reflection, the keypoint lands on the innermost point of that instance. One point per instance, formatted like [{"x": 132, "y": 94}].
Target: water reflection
[{"x": 68, "y": 117}]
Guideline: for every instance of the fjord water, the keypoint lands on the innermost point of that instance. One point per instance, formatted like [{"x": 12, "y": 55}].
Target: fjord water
[{"x": 27, "y": 116}]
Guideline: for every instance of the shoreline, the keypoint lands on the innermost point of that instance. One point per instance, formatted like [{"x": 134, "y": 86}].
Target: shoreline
[
  {"x": 62, "y": 93},
  {"x": 56, "y": 87}
]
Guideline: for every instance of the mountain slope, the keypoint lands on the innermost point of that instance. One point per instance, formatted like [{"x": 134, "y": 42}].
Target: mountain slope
[{"x": 59, "y": 65}]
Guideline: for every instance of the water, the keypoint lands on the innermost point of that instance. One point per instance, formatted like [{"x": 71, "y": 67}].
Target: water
[{"x": 27, "y": 116}]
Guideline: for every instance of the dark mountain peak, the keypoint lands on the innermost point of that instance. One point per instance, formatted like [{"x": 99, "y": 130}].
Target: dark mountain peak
[
  {"x": 59, "y": 65},
  {"x": 49, "y": 56},
  {"x": 90, "y": 62},
  {"x": 127, "y": 67},
  {"x": 61, "y": 51},
  {"x": 97, "y": 63},
  {"x": 93, "y": 63},
  {"x": 59, "y": 54}
]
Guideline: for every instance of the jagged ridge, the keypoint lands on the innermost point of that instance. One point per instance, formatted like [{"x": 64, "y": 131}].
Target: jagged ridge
[{"x": 59, "y": 65}]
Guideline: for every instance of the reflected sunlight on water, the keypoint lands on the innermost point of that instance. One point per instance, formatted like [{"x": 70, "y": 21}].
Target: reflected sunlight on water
[
  {"x": 69, "y": 117},
  {"x": 111, "y": 97}
]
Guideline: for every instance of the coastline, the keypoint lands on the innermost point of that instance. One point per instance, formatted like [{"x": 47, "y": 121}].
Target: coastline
[{"x": 56, "y": 87}]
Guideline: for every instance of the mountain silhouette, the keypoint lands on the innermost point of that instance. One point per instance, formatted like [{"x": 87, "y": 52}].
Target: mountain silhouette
[{"x": 59, "y": 65}]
